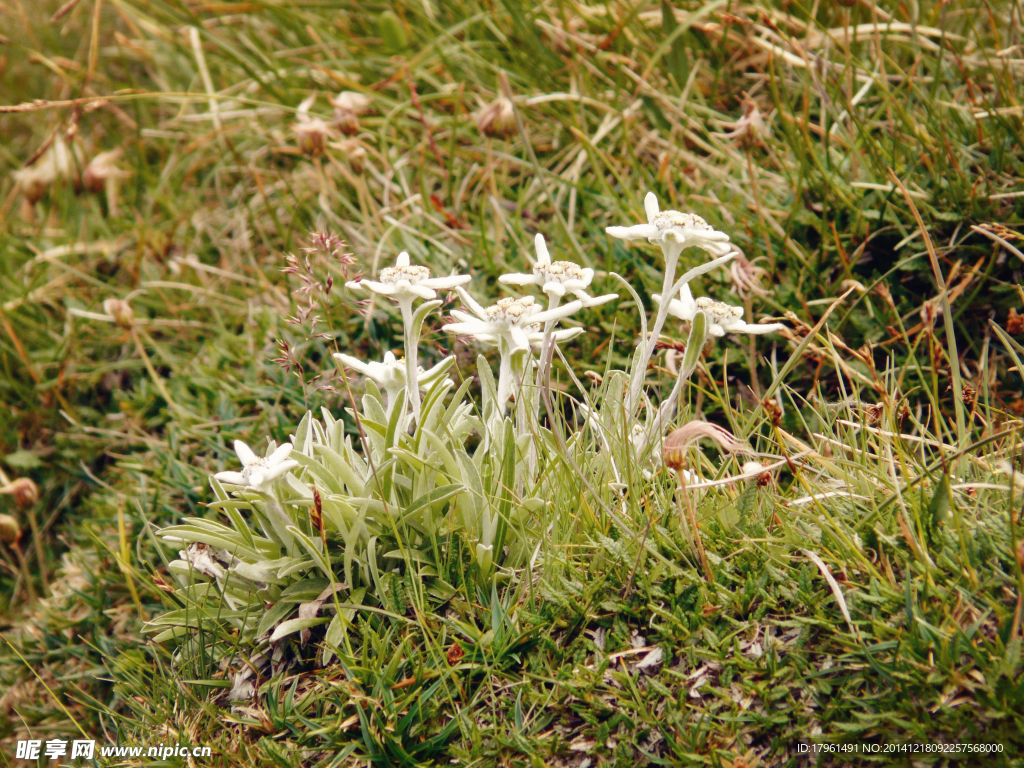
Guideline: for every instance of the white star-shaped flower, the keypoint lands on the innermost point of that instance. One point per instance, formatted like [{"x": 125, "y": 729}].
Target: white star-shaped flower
[
  {"x": 406, "y": 282},
  {"x": 722, "y": 318},
  {"x": 518, "y": 322},
  {"x": 682, "y": 229},
  {"x": 259, "y": 473},
  {"x": 557, "y": 278},
  {"x": 391, "y": 376}
]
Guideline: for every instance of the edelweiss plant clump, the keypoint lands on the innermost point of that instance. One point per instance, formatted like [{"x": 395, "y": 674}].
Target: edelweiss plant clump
[{"x": 416, "y": 485}]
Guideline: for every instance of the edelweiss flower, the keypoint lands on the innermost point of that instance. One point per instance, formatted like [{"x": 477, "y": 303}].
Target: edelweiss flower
[
  {"x": 391, "y": 374},
  {"x": 259, "y": 473},
  {"x": 722, "y": 318},
  {"x": 516, "y": 321},
  {"x": 405, "y": 282},
  {"x": 682, "y": 229},
  {"x": 558, "y": 278}
]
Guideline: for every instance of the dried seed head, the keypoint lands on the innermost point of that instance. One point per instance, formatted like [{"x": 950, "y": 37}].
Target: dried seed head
[
  {"x": 102, "y": 169},
  {"x": 348, "y": 105},
  {"x": 497, "y": 119},
  {"x": 10, "y": 532},
  {"x": 673, "y": 454},
  {"x": 121, "y": 312},
  {"x": 312, "y": 135},
  {"x": 355, "y": 153},
  {"x": 24, "y": 491},
  {"x": 1014, "y": 323},
  {"x": 755, "y": 470}
]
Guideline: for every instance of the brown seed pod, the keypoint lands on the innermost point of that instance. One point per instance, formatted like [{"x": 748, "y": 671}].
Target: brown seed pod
[
  {"x": 10, "y": 532},
  {"x": 348, "y": 105},
  {"x": 25, "y": 492},
  {"x": 120, "y": 311},
  {"x": 497, "y": 119}
]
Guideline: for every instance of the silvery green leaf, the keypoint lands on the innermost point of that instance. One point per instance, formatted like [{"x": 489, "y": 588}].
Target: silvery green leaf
[
  {"x": 303, "y": 493},
  {"x": 319, "y": 473},
  {"x": 315, "y": 549},
  {"x": 218, "y": 489},
  {"x": 319, "y": 436},
  {"x": 338, "y": 513},
  {"x": 277, "y": 613},
  {"x": 336, "y": 463},
  {"x": 291, "y": 626},
  {"x": 233, "y": 542},
  {"x": 694, "y": 345},
  {"x": 170, "y": 634},
  {"x": 303, "y": 438},
  {"x": 295, "y": 565},
  {"x": 408, "y": 555},
  {"x": 373, "y": 409},
  {"x": 265, "y": 571},
  {"x": 328, "y": 419}
]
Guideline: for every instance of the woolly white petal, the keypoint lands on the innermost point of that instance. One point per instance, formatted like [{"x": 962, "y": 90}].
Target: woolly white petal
[
  {"x": 543, "y": 257},
  {"x": 558, "y": 313},
  {"x": 274, "y": 472},
  {"x": 554, "y": 289},
  {"x": 280, "y": 454},
  {"x": 757, "y": 329},
  {"x": 257, "y": 478},
  {"x": 464, "y": 317},
  {"x": 402, "y": 260},
  {"x": 445, "y": 283},
  {"x": 636, "y": 232},
  {"x": 519, "y": 338},
  {"x": 231, "y": 478},
  {"x": 245, "y": 453},
  {"x": 517, "y": 278},
  {"x": 595, "y": 301},
  {"x": 651, "y": 205},
  {"x": 420, "y": 290},
  {"x": 687, "y": 301},
  {"x": 573, "y": 285},
  {"x": 472, "y": 303},
  {"x": 353, "y": 362},
  {"x": 716, "y": 330},
  {"x": 385, "y": 289},
  {"x": 566, "y": 333},
  {"x": 471, "y": 328},
  {"x": 715, "y": 248}
]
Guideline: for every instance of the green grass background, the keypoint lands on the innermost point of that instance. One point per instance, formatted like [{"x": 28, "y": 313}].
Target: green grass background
[{"x": 613, "y": 99}]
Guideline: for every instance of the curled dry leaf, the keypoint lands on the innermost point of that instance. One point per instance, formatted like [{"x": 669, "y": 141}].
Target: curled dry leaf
[
  {"x": 312, "y": 608},
  {"x": 678, "y": 440}
]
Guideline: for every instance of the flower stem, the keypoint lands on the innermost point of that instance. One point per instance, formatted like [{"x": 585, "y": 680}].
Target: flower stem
[
  {"x": 412, "y": 343},
  {"x": 636, "y": 384}
]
